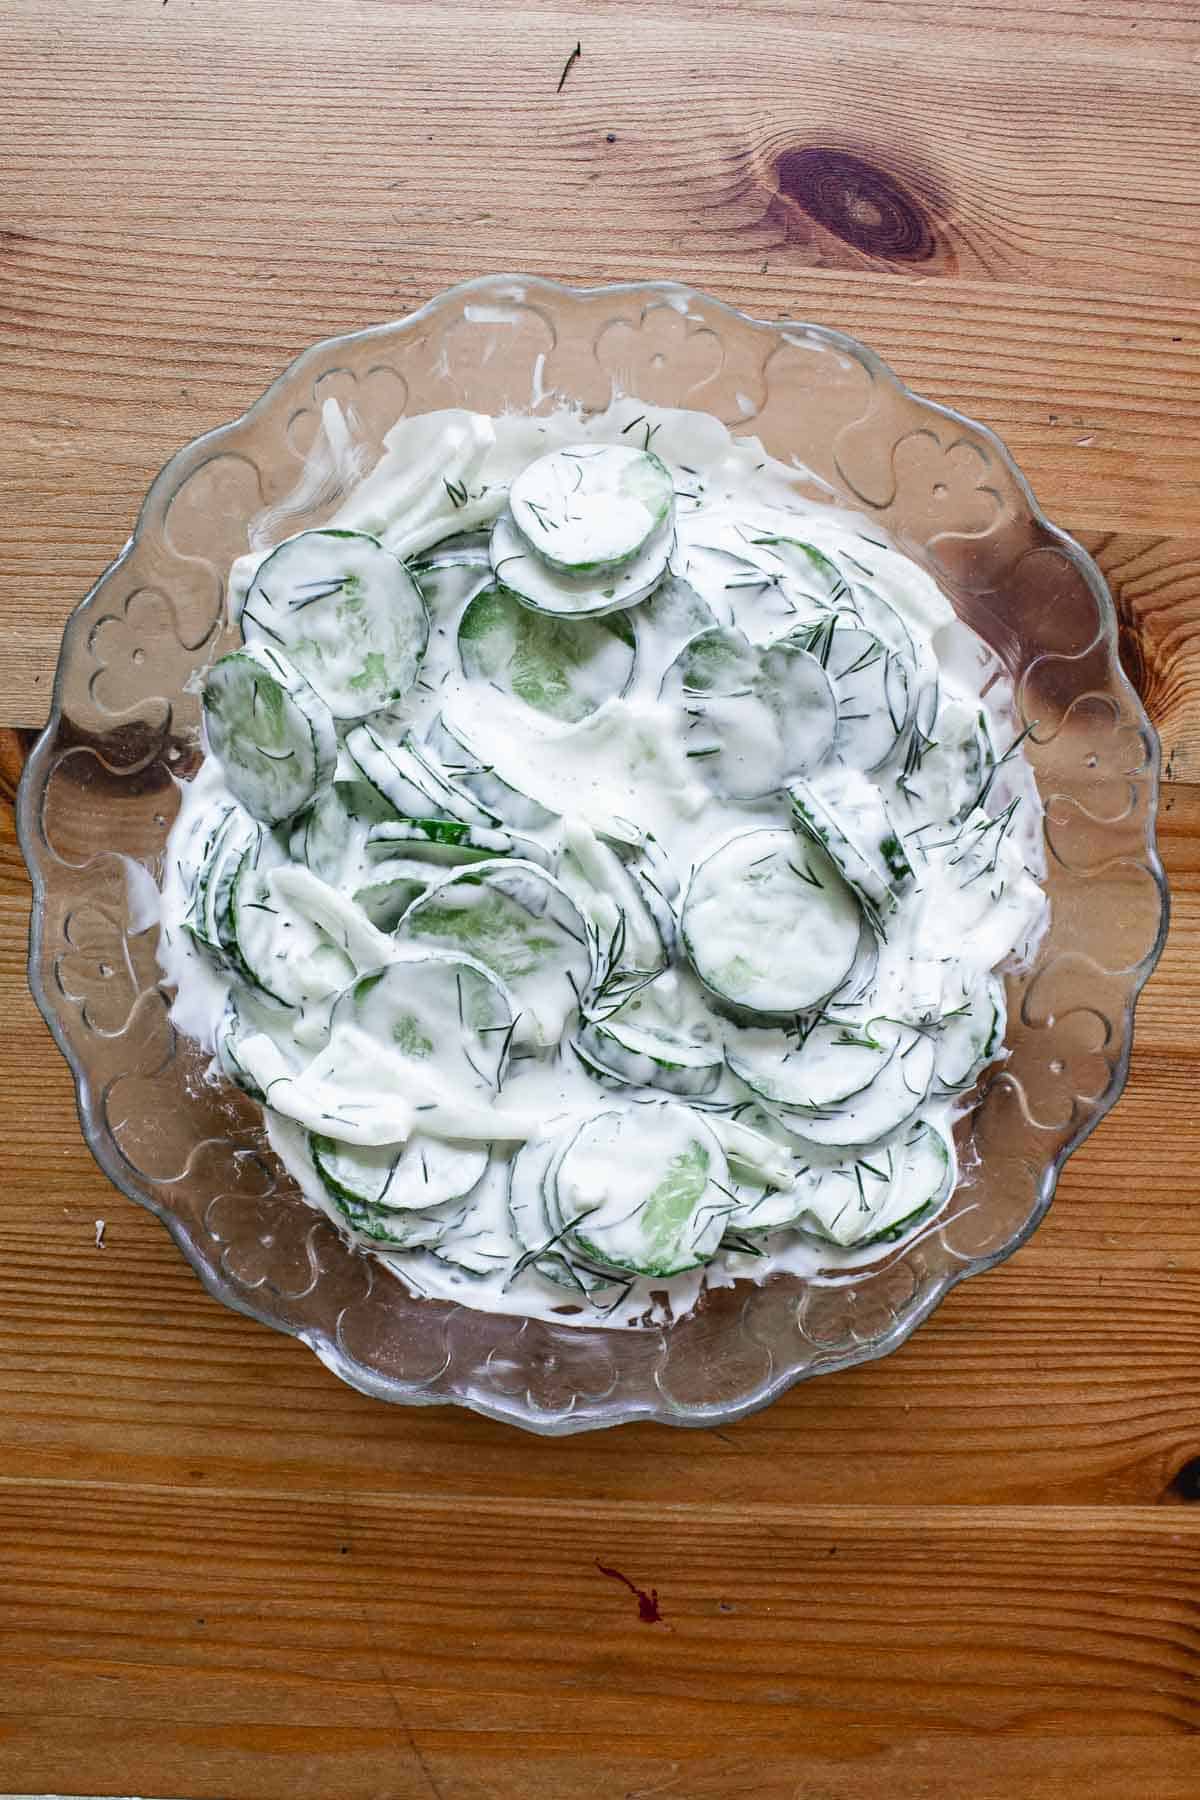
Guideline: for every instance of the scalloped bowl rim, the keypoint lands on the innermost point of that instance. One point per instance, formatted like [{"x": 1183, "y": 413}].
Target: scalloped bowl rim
[{"x": 495, "y": 1406}]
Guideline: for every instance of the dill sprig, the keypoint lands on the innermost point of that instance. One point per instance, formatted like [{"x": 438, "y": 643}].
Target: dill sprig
[{"x": 574, "y": 57}]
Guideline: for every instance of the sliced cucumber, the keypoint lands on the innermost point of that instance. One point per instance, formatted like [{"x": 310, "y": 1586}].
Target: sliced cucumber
[
  {"x": 565, "y": 668},
  {"x": 847, "y": 815},
  {"x": 816, "y": 1067},
  {"x": 470, "y": 770},
  {"x": 450, "y": 578},
  {"x": 769, "y": 924},
  {"x": 417, "y": 1047},
  {"x": 812, "y": 579},
  {"x": 644, "y": 1191},
  {"x": 871, "y": 684},
  {"x": 633, "y": 925},
  {"x": 478, "y": 1252},
  {"x": 276, "y": 945},
  {"x": 448, "y": 843},
  {"x": 346, "y": 613},
  {"x": 717, "y": 662},
  {"x": 589, "y": 509},
  {"x": 423, "y": 1172},
  {"x": 434, "y": 1007},
  {"x": 273, "y": 736},
  {"x": 388, "y": 1229},
  {"x": 637, "y": 1047},
  {"x": 461, "y": 550},
  {"x": 343, "y": 923},
  {"x": 882, "y": 1106},
  {"x": 409, "y": 777},
  {"x": 218, "y": 858},
  {"x": 542, "y": 1243},
  {"x": 755, "y": 716},
  {"x": 516, "y": 920},
  {"x": 670, "y": 618},
  {"x": 390, "y": 771},
  {"x": 878, "y": 1198},
  {"x": 240, "y": 1019},
  {"x": 330, "y": 837},
  {"x": 948, "y": 762},
  {"x": 971, "y": 1037},
  {"x": 523, "y": 572},
  {"x": 392, "y": 888}
]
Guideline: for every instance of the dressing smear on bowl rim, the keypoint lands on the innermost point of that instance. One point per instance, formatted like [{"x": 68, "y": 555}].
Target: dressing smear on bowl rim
[{"x": 602, "y": 867}]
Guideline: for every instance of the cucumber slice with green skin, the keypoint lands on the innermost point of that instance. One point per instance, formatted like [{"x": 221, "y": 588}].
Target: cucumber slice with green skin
[
  {"x": 450, "y": 843},
  {"x": 879, "y": 1198},
  {"x": 564, "y": 668},
  {"x": 450, "y": 583},
  {"x": 644, "y": 1191},
  {"x": 346, "y": 613},
  {"x": 755, "y": 716},
  {"x": 898, "y": 1090},
  {"x": 390, "y": 771},
  {"x": 474, "y": 1253},
  {"x": 239, "y": 1019},
  {"x": 434, "y": 1006},
  {"x": 343, "y": 923},
  {"x": 422, "y": 1173},
  {"x": 871, "y": 684},
  {"x": 388, "y": 1229},
  {"x": 516, "y": 920},
  {"x": 596, "y": 1071},
  {"x": 395, "y": 884},
  {"x": 769, "y": 924},
  {"x": 671, "y": 617},
  {"x": 276, "y": 946},
  {"x": 450, "y": 799},
  {"x": 410, "y": 779},
  {"x": 461, "y": 550},
  {"x": 589, "y": 509},
  {"x": 444, "y": 843},
  {"x": 272, "y": 734},
  {"x": 848, "y": 816},
  {"x": 330, "y": 836},
  {"x": 924, "y": 1184},
  {"x": 815, "y": 575},
  {"x": 541, "y": 1243},
  {"x": 811, "y": 579},
  {"x": 470, "y": 770},
  {"x": 632, "y": 923},
  {"x": 971, "y": 1037},
  {"x": 417, "y": 1047},
  {"x": 649, "y": 1056},
  {"x": 535, "y": 584},
  {"x": 820, "y": 1066},
  {"x": 218, "y": 858},
  {"x": 948, "y": 762}
]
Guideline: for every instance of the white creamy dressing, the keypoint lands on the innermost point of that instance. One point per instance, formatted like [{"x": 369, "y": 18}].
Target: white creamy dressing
[{"x": 614, "y": 779}]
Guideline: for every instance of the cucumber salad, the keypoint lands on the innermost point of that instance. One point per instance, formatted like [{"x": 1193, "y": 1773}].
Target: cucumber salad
[{"x": 602, "y": 866}]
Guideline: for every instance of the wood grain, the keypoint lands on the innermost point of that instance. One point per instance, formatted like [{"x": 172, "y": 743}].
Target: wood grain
[{"x": 971, "y": 1568}]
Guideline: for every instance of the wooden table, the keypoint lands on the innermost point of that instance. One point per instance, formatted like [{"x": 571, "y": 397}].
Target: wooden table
[{"x": 969, "y": 1570}]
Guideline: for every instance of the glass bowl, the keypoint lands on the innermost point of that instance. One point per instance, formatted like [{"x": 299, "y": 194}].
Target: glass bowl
[{"x": 100, "y": 793}]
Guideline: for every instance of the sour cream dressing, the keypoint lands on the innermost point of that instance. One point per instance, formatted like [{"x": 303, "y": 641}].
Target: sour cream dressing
[{"x": 633, "y": 811}]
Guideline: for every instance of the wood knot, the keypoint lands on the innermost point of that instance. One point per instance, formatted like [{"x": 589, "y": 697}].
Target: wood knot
[
  {"x": 859, "y": 203},
  {"x": 1187, "y": 1481}
]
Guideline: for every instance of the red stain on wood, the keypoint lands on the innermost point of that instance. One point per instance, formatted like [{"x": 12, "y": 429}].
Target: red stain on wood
[{"x": 648, "y": 1611}]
